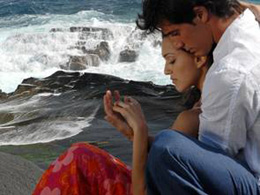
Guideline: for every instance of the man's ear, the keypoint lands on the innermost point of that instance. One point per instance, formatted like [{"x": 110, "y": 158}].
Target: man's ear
[
  {"x": 201, "y": 61},
  {"x": 201, "y": 14}
]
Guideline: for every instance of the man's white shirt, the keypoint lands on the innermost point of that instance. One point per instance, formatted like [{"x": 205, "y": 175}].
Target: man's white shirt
[{"x": 230, "y": 116}]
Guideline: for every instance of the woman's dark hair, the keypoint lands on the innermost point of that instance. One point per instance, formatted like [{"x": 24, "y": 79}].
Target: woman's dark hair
[
  {"x": 181, "y": 11},
  {"x": 191, "y": 97}
]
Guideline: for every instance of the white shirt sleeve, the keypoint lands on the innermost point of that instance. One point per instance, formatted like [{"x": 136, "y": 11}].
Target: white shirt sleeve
[{"x": 228, "y": 109}]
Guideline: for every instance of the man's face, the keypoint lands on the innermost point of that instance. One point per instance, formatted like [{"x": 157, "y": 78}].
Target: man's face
[{"x": 194, "y": 38}]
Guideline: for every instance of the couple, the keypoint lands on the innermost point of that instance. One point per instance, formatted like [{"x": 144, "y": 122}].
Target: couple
[{"x": 213, "y": 148}]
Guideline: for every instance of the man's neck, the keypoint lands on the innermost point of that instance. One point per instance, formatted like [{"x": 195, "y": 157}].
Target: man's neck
[{"x": 219, "y": 25}]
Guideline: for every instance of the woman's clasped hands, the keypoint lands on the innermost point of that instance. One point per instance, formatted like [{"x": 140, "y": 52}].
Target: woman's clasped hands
[{"x": 125, "y": 115}]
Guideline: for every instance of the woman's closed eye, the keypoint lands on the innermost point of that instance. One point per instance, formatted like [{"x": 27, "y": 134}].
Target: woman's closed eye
[{"x": 171, "y": 62}]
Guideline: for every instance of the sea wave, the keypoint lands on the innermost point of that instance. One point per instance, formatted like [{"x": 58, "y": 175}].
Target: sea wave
[
  {"x": 29, "y": 47},
  {"x": 26, "y": 124}
]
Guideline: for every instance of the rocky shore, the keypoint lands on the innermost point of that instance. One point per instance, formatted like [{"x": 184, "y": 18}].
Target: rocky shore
[{"x": 48, "y": 108}]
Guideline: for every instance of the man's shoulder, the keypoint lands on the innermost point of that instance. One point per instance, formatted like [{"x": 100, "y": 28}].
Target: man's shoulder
[
  {"x": 241, "y": 39},
  {"x": 230, "y": 75},
  {"x": 222, "y": 77}
]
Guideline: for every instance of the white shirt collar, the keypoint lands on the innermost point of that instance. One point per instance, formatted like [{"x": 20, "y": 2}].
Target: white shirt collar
[{"x": 221, "y": 49}]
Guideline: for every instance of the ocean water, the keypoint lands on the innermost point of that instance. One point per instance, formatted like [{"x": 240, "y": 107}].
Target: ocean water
[{"x": 29, "y": 49}]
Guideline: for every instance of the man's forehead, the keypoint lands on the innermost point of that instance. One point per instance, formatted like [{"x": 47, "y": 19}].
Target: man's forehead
[
  {"x": 168, "y": 28},
  {"x": 166, "y": 25}
]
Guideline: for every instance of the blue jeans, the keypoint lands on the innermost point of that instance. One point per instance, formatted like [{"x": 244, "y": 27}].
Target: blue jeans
[{"x": 179, "y": 164}]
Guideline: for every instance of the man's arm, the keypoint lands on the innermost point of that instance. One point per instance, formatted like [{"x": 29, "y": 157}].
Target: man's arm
[{"x": 255, "y": 8}]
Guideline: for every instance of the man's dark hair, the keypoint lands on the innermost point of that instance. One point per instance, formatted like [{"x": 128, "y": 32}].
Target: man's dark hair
[{"x": 181, "y": 11}]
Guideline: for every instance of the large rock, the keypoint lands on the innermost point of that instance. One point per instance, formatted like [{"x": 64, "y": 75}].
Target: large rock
[
  {"x": 128, "y": 56},
  {"x": 18, "y": 176},
  {"x": 71, "y": 98},
  {"x": 77, "y": 63},
  {"x": 102, "y": 50}
]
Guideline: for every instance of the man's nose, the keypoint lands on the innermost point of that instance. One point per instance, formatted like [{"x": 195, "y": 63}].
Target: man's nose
[{"x": 178, "y": 44}]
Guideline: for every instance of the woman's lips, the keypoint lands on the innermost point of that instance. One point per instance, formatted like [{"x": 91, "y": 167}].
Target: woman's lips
[{"x": 174, "y": 80}]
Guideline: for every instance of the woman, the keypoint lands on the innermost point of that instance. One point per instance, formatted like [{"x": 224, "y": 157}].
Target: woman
[{"x": 85, "y": 169}]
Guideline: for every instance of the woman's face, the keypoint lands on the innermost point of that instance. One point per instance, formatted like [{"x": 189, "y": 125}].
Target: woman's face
[{"x": 181, "y": 66}]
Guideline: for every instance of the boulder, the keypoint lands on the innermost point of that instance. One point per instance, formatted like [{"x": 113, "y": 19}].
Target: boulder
[
  {"x": 18, "y": 176},
  {"x": 82, "y": 62},
  {"x": 77, "y": 63},
  {"x": 102, "y": 50},
  {"x": 128, "y": 56}
]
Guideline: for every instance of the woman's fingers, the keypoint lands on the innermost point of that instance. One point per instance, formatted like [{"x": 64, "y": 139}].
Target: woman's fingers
[
  {"x": 132, "y": 100},
  {"x": 116, "y": 95},
  {"x": 107, "y": 100},
  {"x": 120, "y": 126}
]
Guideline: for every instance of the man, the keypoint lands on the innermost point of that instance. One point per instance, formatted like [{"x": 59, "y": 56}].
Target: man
[{"x": 226, "y": 159}]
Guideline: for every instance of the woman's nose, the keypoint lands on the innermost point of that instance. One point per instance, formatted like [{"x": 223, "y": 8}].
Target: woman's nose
[{"x": 167, "y": 70}]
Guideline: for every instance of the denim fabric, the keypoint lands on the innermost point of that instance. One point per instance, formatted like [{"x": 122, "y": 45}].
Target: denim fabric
[{"x": 179, "y": 164}]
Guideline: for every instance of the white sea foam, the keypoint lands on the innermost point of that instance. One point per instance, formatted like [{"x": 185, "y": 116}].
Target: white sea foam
[
  {"x": 43, "y": 131},
  {"x": 29, "y": 49}
]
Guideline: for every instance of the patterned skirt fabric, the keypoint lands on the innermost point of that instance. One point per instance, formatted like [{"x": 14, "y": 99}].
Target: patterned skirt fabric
[{"x": 85, "y": 170}]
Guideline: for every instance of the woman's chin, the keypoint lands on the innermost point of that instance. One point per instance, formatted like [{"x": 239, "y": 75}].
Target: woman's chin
[{"x": 181, "y": 89}]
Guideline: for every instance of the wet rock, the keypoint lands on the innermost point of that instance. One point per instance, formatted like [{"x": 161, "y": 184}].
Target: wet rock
[
  {"x": 73, "y": 96},
  {"x": 93, "y": 60},
  {"x": 22, "y": 88},
  {"x": 93, "y": 32},
  {"x": 56, "y": 30},
  {"x": 63, "y": 81},
  {"x": 77, "y": 63},
  {"x": 128, "y": 56},
  {"x": 82, "y": 62},
  {"x": 5, "y": 118},
  {"x": 3, "y": 95},
  {"x": 102, "y": 50}
]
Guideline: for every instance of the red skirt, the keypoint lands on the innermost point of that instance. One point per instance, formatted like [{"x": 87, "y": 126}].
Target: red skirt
[{"x": 85, "y": 170}]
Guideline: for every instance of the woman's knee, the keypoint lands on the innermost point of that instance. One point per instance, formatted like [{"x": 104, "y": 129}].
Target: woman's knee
[
  {"x": 169, "y": 138},
  {"x": 164, "y": 143},
  {"x": 169, "y": 144}
]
